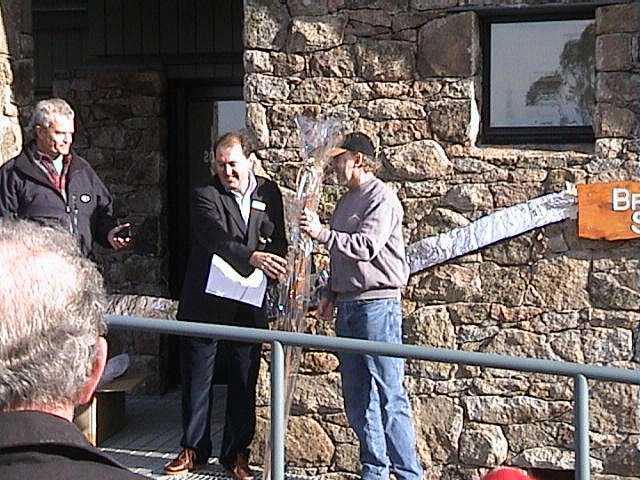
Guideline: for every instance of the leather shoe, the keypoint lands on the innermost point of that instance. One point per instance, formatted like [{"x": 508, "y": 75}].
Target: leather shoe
[
  {"x": 185, "y": 462},
  {"x": 240, "y": 470}
]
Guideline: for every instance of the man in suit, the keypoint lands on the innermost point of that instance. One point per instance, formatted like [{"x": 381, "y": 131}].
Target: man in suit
[
  {"x": 227, "y": 218},
  {"x": 52, "y": 354}
]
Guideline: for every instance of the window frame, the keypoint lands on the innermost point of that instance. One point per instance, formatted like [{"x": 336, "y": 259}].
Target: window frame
[{"x": 533, "y": 134}]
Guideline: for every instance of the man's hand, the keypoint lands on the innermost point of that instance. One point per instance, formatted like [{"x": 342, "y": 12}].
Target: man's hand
[
  {"x": 310, "y": 223},
  {"x": 325, "y": 309},
  {"x": 274, "y": 266},
  {"x": 119, "y": 241}
]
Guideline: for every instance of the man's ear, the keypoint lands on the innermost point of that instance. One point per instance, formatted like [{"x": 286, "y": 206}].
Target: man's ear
[
  {"x": 99, "y": 361},
  {"x": 358, "y": 160},
  {"x": 37, "y": 132}
]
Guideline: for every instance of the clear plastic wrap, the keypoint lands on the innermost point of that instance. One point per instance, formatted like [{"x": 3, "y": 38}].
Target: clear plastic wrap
[{"x": 318, "y": 137}]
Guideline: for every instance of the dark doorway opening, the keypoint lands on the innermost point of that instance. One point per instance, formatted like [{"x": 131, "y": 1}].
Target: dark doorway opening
[
  {"x": 193, "y": 126},
  {"x": 196, "y": 118},
  {"x": 548, "y": 474}
]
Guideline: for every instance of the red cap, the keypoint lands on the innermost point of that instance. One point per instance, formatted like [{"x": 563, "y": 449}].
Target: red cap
[{"x": 507, "y": 473}]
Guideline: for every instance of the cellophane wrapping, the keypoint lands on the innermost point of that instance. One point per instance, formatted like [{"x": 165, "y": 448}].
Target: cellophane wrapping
[{"x": 318, "y": 138}]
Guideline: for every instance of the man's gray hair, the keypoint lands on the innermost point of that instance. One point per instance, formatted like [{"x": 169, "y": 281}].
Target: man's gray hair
[
  {"x": 47, "y": 110},
  {"x": 52, "y": 302}
]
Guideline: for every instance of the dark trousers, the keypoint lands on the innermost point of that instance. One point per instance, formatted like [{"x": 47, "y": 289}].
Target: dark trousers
[{"x": 197, "y": 361}]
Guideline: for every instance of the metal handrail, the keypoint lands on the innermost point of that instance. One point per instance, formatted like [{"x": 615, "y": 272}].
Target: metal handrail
[{"x": 579, "y": 372}]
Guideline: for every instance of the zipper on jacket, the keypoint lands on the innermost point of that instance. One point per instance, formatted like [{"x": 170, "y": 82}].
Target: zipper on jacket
[
  {"x": 72, "y": 212},
  {"x": 75, "y": 215}
]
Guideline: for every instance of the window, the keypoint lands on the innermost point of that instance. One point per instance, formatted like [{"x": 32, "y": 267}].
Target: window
[
  {"x": 538, "y": 78},
  {"x": 60, "y": 37}
]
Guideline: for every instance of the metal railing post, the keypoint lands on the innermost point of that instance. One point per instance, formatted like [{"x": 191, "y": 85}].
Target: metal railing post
[
  {"x": 581, "y": 423},
  {"x": 277, "y": 411},
  {"x": 579, "y": 372}
]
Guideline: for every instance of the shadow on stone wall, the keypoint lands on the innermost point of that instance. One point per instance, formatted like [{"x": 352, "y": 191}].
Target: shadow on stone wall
[
  {"x": 122, "y": 132},
  {"x": 16, "y": 74}
]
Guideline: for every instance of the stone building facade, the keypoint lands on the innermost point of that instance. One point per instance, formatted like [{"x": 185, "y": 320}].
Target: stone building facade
[
  {"x": 122, "y": 129},
  {"x": 409, "y": 73},
  {"x": 16, "y": 73}
]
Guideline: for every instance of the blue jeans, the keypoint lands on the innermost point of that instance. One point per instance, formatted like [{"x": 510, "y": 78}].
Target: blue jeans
[{"x": 375, "y": 400}]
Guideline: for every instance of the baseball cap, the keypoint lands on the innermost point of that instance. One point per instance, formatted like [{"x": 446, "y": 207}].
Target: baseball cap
[
  {"x": 354, "y": 142},
  {"x": 507, "y": 473}
]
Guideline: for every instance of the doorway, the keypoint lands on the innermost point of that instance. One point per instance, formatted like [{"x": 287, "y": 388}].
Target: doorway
[{"x": 198, "y": 113}]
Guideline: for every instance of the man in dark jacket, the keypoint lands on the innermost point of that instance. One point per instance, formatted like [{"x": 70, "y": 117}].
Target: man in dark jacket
[
  {"x": 49, "y": 184},
  {"x": 229, "y": 216},
  {"x": 52, "y": 355}
]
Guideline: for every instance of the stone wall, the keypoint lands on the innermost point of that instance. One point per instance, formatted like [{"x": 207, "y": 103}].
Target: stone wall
[
  {"x": 407, "y": 73},
  {"x": 16, "y": 73},
  {"x": 618, "y": 92},
  {"x": 121, "y": 130}
]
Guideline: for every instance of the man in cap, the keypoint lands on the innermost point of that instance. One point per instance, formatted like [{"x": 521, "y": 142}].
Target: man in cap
[{"x": 368, "y": 272}]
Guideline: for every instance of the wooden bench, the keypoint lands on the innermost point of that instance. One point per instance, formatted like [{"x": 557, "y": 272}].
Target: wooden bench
[{"x": 105, "y": 415}]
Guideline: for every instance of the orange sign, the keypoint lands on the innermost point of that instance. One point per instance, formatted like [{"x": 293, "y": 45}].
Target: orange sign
[{"x": 609, "y": 211}]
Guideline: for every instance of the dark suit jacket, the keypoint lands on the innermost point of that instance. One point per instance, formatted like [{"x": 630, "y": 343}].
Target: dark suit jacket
[
  {"x": 217, "y": 227},
  {"x": 38, "y": 445}
]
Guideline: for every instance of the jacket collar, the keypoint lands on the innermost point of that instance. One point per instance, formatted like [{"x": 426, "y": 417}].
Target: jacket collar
[
  {"x": 26, "y": 163},
  {"x": 231, "y": 206},
  {"x": 26, "y": 429},
  {"x": 256, "y": 217}
]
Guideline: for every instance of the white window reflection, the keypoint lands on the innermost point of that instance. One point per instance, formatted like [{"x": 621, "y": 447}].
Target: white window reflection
[{"x": 542, "y": 73}]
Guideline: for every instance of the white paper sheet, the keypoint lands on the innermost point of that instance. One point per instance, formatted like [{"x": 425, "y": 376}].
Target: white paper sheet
[{"x": 224, "y": 281}]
